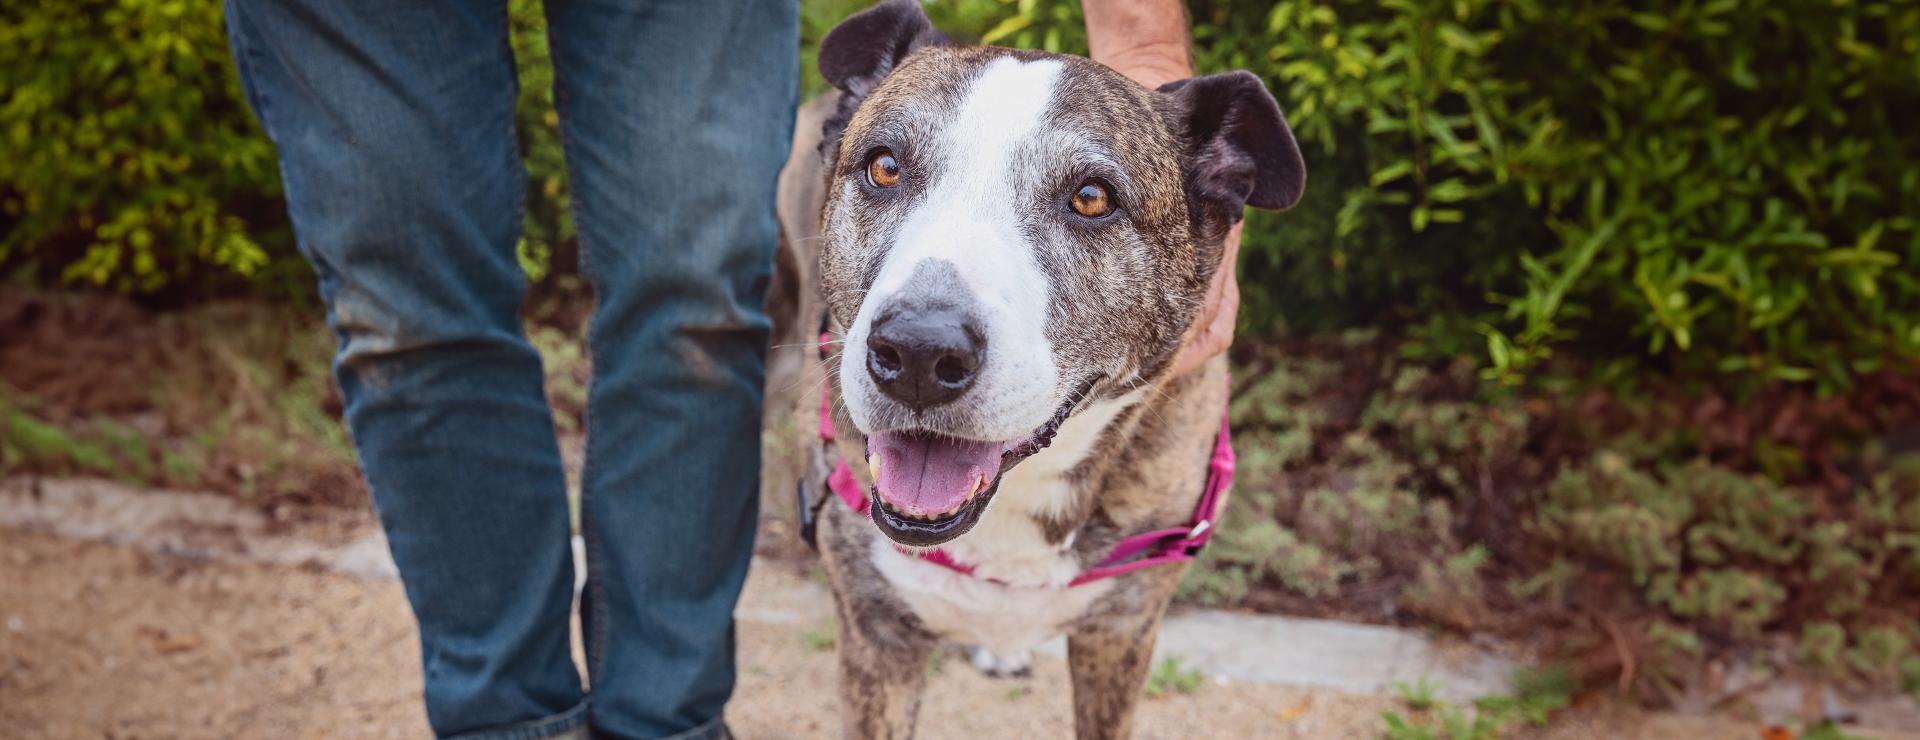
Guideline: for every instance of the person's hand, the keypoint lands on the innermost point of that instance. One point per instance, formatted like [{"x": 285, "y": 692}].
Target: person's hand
[{"x": 1212, "y": 331}]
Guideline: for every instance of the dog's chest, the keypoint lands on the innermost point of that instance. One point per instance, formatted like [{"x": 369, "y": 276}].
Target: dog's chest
[{"x": 1007, "y": 620}]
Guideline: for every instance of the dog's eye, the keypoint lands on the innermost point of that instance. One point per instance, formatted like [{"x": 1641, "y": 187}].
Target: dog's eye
[
  {"x": 883, "y": 171},
  {"x": 1093, "y": 199}
]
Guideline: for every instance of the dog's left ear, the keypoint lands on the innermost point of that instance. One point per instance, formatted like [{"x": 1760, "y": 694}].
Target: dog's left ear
[
  {"x": 1241, "y": 152},
  {"x": 860, "y": 52}
]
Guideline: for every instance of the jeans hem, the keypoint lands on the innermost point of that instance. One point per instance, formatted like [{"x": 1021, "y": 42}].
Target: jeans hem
[
  {"x": 714, "y": 729},
  {"x": 571, "y": 721}
]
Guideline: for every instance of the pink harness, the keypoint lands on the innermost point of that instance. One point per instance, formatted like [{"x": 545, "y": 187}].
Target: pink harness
[{"x": 1143, "y": 550}]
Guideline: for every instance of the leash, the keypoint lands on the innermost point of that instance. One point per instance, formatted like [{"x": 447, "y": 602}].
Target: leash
[{"x": 1144, "y": 550}]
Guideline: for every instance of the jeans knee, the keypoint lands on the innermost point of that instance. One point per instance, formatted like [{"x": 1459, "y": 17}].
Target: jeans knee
[
  {"x": 382, "y": 340},
  {"x": 367, "y": 329}
]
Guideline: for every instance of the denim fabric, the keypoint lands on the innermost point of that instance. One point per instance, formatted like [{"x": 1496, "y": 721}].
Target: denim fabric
[{"x": 394, "y": 123}]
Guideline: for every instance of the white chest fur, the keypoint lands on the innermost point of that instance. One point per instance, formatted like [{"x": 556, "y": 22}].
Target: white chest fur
[
  {"x": 1007, "y": 620},
  {"x": 1017, "y": 596}
]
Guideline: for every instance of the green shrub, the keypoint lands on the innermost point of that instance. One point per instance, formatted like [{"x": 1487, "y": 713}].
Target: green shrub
[
  {"x": 127, "y": 156},
  {"x": 1726, "y": 184},
  {"x": 130, "y": 161},
  {"x": 549, "y": 218},
  {"x": 1722, "y": 187}
]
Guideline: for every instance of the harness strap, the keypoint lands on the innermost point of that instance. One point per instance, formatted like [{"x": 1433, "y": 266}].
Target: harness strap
[
  {"x": 1175, "y": 544},
  {"x": 1144, "y": 550}
]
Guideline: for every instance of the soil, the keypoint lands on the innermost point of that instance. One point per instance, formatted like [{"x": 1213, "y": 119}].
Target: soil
[
  {"x": 79, "y": 356},
  {"x": 230, "y": 397},
  {"x": 102, "y": 640}
]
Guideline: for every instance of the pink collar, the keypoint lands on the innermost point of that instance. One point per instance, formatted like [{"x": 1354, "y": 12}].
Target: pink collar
[{"x": 1143, "y": 550}]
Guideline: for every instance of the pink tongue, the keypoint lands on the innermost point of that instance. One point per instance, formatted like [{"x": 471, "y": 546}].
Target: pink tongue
[{"x": 925, "y": 475}]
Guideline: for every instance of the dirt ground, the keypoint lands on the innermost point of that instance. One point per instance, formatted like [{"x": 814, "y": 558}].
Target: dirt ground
[{"x": 102, "y": 640}]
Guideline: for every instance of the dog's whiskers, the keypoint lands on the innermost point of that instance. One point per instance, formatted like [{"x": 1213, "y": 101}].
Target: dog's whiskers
[{"x": 1137, "y": 383}]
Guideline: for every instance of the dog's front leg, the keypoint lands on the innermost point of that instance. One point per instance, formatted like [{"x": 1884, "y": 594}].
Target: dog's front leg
[
  {"x": 1109, "y": 662},
  {"x": 883, "y": 666}
]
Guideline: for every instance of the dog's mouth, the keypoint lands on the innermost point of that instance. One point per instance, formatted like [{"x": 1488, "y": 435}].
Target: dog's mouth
[{"x": 930, "y": 488}]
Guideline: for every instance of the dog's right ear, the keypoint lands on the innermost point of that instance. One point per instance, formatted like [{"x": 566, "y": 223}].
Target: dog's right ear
[{"x": 860, "y": 52}]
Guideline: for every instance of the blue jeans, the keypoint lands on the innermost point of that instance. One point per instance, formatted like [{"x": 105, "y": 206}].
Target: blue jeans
[{"x": 394, "y": 122}]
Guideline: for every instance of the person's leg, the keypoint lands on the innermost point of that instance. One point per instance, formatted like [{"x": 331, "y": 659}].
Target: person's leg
[
  {"x": 676, "y": 116},
  {"x": 394, "y": 122}
]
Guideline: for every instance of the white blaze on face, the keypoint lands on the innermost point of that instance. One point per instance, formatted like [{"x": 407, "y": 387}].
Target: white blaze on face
[{"x": 971, "y": 217}]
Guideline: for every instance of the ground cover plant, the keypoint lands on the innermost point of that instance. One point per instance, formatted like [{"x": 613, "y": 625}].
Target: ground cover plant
[{"x": 1652, "y": 537}]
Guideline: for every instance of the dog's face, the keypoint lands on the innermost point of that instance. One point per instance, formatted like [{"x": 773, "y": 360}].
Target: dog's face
[{"x": 1008, "y": 234}]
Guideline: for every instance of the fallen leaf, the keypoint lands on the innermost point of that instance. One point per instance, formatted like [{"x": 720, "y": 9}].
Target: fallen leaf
[
  {"x": 172, "y": 644},
  {"x": 1776, "y": 732},
  {"x": 1299, "y": 708}
]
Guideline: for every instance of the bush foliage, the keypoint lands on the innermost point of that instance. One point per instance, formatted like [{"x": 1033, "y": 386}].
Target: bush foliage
[
  {"x": 127, "y": 157},
  {"x": 129, "y": 160},
  {"x": 1719, "y": 186},
  {"x": 1728, "y": 185}
]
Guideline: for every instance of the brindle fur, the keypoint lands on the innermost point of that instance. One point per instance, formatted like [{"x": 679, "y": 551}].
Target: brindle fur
[
  {"x": 1150, "y": 463},
  {"x": 1146, "y": 473}
]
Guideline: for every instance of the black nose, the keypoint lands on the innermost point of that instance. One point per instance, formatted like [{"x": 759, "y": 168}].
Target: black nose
[{"x": 924, "y": 357}]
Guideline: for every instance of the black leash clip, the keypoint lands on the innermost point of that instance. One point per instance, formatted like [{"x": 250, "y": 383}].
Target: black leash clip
[{"x": 809, "y": 513}]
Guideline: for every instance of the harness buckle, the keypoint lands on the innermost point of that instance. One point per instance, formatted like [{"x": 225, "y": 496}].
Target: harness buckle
[{"x": 1193, "y": 542}]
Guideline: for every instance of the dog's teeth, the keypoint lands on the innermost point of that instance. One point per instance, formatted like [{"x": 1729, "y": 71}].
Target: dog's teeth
[
  {"x": 979, "y": 484},
  {"x": 873, "y": 468}
]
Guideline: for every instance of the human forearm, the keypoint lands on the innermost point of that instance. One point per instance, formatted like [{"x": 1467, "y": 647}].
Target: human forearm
[{"x": 1145, "y": 40}]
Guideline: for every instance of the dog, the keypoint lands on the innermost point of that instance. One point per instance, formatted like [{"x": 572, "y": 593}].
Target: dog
[{"x": 1006, "y": 249}]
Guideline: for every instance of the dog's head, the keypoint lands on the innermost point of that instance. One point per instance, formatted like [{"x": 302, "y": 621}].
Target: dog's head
[{"x": 1010, "y": 233}]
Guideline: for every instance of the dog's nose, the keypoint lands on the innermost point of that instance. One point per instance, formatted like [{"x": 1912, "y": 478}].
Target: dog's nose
[{"x": 924, "y": 357}]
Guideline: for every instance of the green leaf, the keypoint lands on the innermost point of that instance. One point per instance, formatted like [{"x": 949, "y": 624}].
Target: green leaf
[
  {"x": 1391, "y": 172},
  {"x": 1649, "y": 21},
  {"x": 1790, "y": 374},
  {"x": 1499, "y": 351},
  {"x": 1449, "y": 191},
  {"x": 1006, "y": 28}
]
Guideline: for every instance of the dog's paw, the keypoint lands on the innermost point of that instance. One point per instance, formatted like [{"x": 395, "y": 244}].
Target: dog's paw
[{"x": 994, "y": 666}]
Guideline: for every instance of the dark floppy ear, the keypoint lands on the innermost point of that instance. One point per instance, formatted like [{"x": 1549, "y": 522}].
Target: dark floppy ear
[
  {"x": 1241, "y": 152},
  {"x": 860, "y": 52}
]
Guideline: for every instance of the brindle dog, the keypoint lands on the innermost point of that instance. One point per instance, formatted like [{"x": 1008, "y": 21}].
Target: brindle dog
[{"x": 1011, "y": 246}]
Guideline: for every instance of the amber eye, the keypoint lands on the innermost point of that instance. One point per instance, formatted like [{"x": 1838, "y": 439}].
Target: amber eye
[
  {"x": 1093, "y": 199},
  {"x": 883, "y": 171}
]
